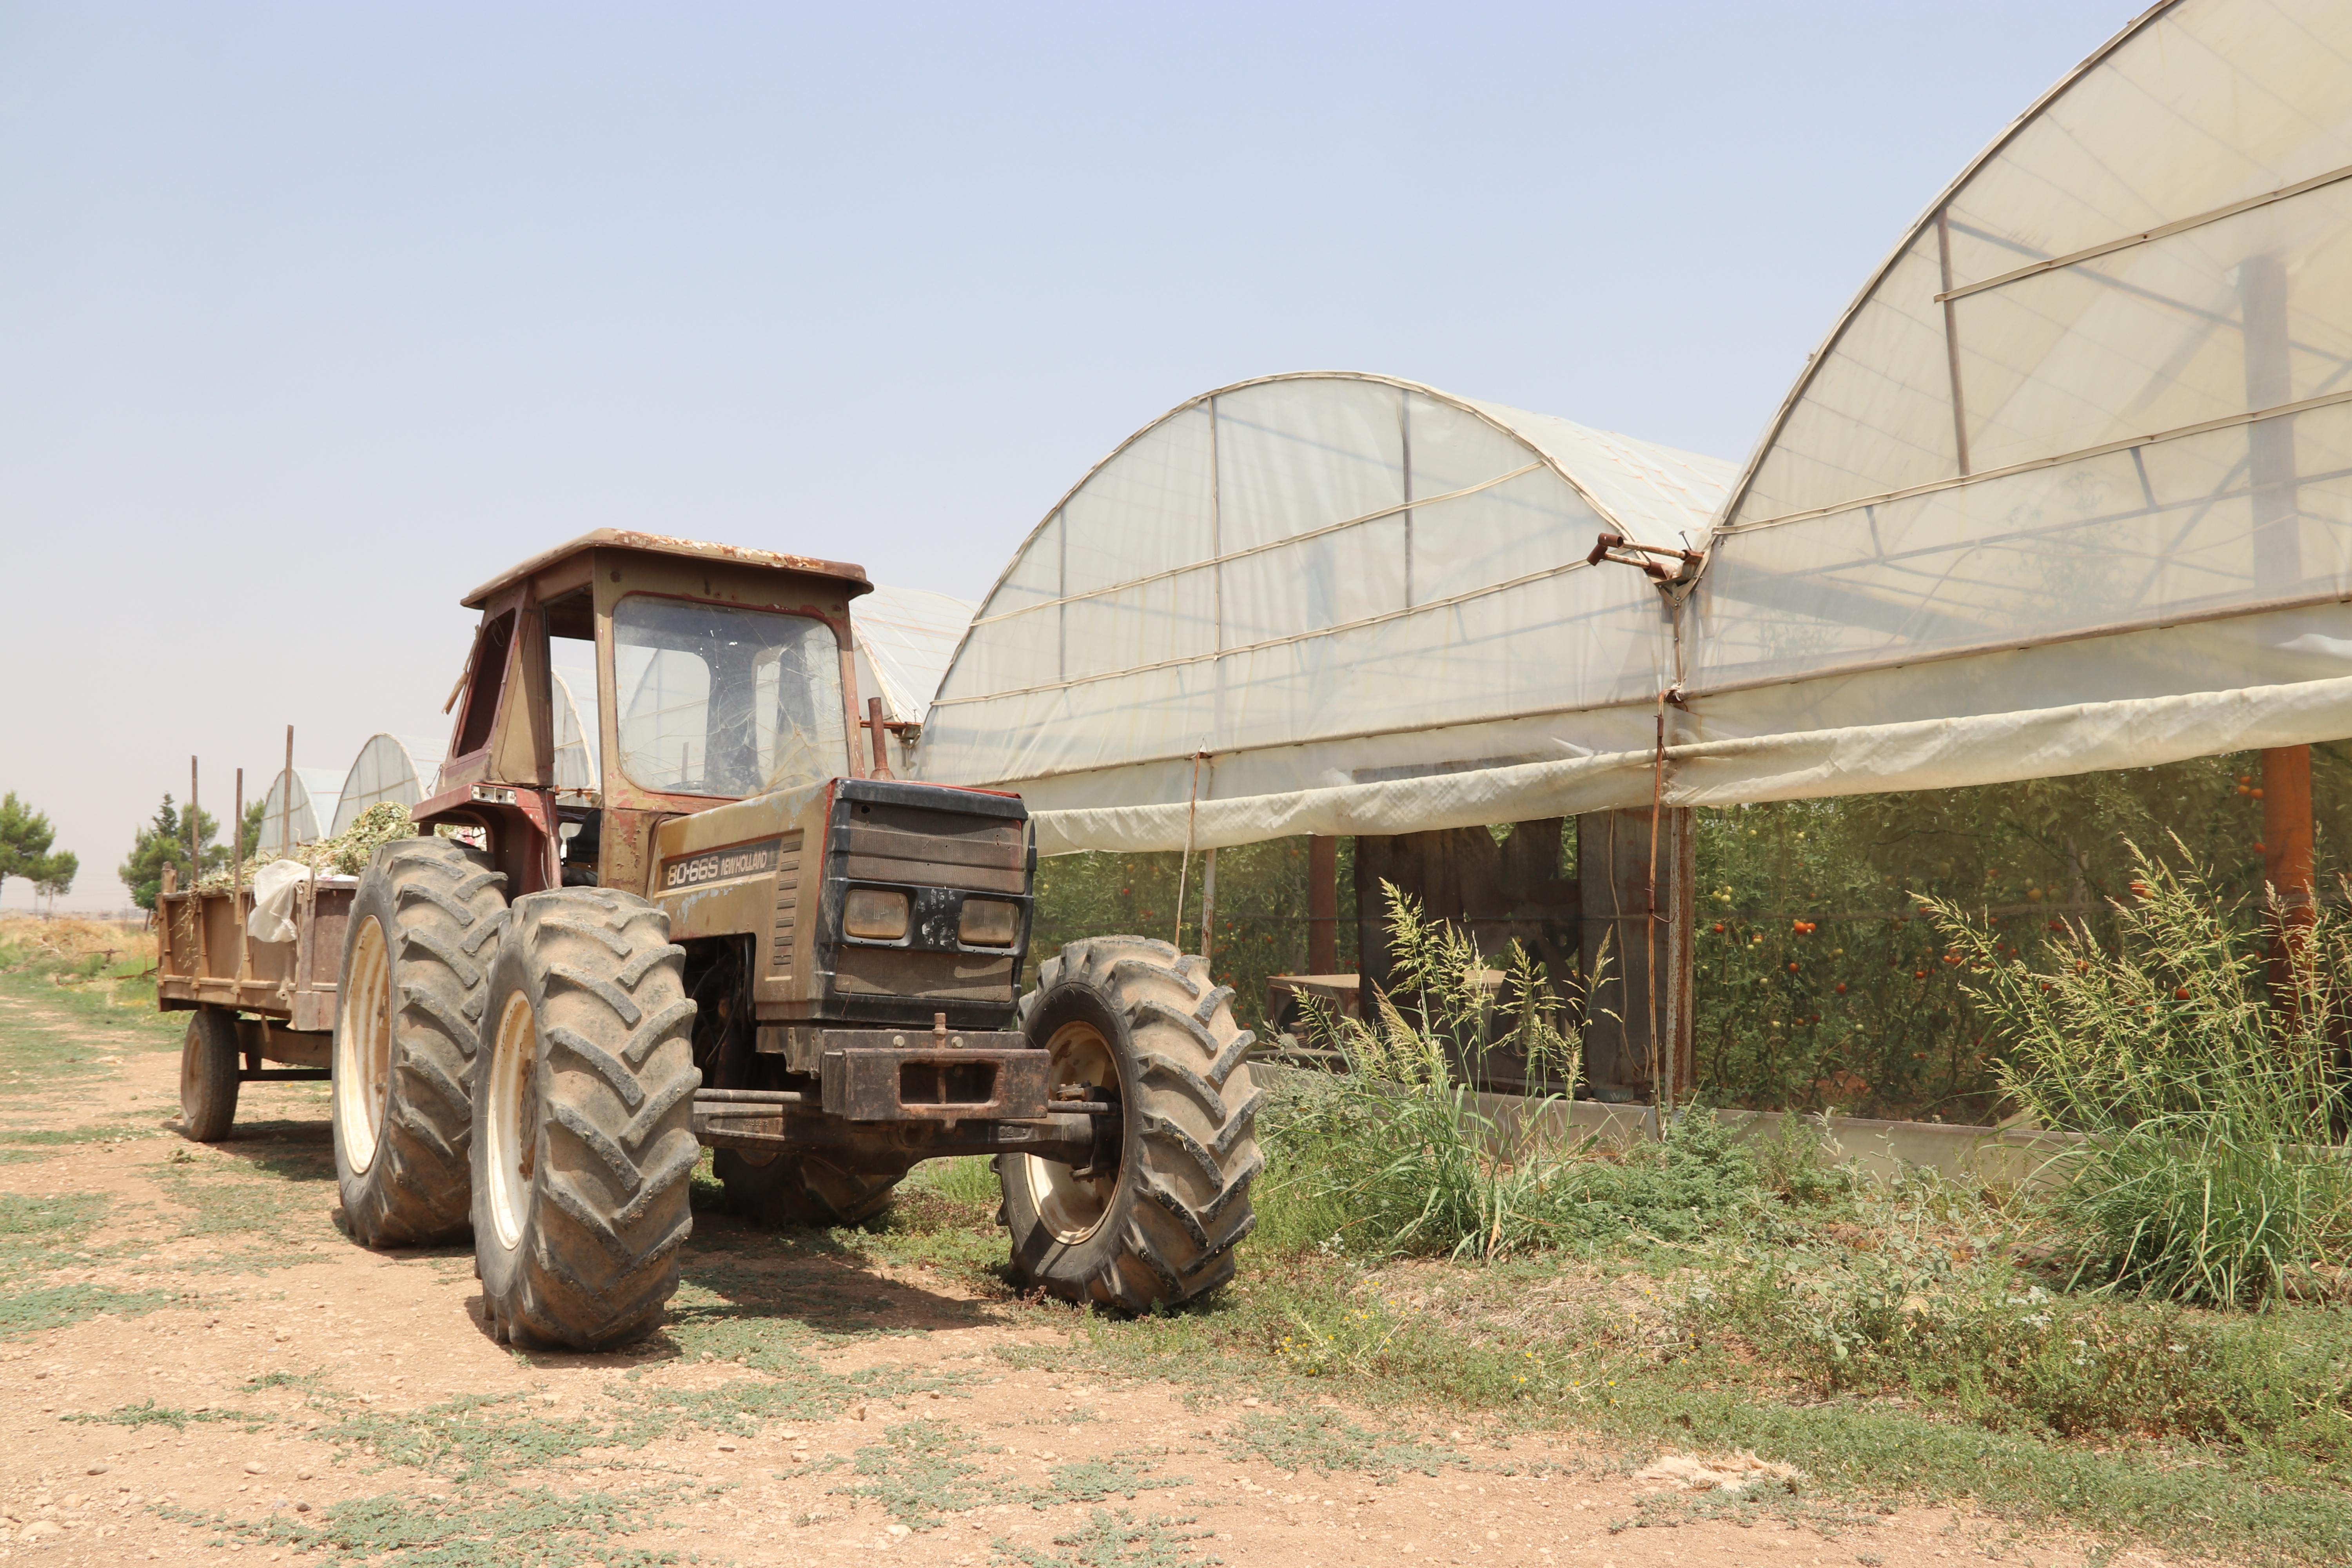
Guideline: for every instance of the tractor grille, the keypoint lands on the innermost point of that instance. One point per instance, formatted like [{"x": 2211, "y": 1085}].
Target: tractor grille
[{"x": 788, "y": 901}]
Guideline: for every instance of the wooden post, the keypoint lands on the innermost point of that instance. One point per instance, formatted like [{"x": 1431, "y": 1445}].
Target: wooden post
[
  {"x": 2277, "y": 552},
  {"x": 1623, "y": 1062},
  {"x": 1208, "y": 904},
  {"x": 196, "y": 875},
  {"x": 2287, "y": 858},
  {"x": 286, "y": 798},
  {"x": 237, "y": 881},
  {"x": 1322, "y": 905}
]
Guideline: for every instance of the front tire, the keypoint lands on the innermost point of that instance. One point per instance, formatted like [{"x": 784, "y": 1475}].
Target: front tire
[
  {"x": 425, "y": 927},
  {"x": 208, "y": 1080},
  {"x": 584, "y": 1140},
  {"x": 1130, "y": 1017}
]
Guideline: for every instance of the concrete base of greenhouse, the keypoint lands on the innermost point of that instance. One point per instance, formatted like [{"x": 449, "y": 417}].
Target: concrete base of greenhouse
[{"x": 2002, "y": 1156}]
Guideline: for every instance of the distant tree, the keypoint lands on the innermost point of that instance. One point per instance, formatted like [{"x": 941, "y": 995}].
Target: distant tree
[
  {"x": 55, "y": 876},
  {"x": 165, "y": 842},
  {"x": 25, "y": 839},
  {"x": 250, "y": 840}
]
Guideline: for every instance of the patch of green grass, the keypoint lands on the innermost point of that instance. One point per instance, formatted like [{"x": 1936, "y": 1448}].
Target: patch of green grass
[
  {"x": 36, "y": 1234},
  {"x": 281, "y": 1196},
  {"x": 1108, "y": 1540},
  {"x": 1320, "y": 1438},
  {"x": 1094, "y": 1479},
  {"x": 797, "y": 1390},
  {"x": 37, "y": 1310},
  {"x": 1982, "y": 1343},
  {"x": 147, "y": 1413},
  {"x": 533, "y": 1527},
  {"x": 922, "y": 1471},
  {"x": 943, "y": 1216},
  {"x": 84, "y": 1014},
  {"x": 1746, "y": 1507},
  {"x": 29, "y": 1145},
  {"x": 1639, "y": 1381},
  {"x": 478, "y": 1435}
]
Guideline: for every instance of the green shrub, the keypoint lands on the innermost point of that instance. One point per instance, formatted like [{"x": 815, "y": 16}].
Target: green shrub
[
  {"x": 2212, "y": 1166},
  {"x": 1397, "y": 1154},
  {"x": 2009, "y": 1355}
]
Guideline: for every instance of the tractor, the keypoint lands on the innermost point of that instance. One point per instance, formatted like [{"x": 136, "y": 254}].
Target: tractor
[{"x": 745, "y": 937}]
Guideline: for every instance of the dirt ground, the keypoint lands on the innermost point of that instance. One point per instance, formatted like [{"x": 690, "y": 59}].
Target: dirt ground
[{"x": 205, "y": 1370}]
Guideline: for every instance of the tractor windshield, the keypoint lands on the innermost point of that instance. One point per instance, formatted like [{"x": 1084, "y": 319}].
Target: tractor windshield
[{"x": 724, "y": 701}]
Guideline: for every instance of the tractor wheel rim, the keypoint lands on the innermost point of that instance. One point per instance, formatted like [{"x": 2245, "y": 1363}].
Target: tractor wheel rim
[
  {"x": 363, "y": 1047},
  {"x": 1070, "y": 1207},
  {"x": 514, "y": 1056}
]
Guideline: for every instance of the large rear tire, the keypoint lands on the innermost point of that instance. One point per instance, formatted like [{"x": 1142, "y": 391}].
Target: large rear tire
[
  {"x": 425, "y": 927},
  {"x": 208, "y": 1080},
  {"x": 583, "y": 1137},
  {"x": 1130, "y": 1017},
  {"x": 799, "y": 1189}
]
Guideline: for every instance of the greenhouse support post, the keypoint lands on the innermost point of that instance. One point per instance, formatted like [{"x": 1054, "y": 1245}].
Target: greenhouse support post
[
  {"x": 1207, "y": 901},
  {"x": 1322, "y": 905},
  {"x": 2288, "y": 857},
  {"x": 1184, "y": 867}
]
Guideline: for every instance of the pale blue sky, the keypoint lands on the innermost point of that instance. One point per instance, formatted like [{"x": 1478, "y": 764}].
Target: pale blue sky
[{"x": 313, "y": 316}]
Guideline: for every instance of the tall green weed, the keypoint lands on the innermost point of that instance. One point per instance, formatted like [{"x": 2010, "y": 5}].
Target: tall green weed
[
  {"x": 2212, "y": 1165},
  {"x": 1399, "y": 1155}
]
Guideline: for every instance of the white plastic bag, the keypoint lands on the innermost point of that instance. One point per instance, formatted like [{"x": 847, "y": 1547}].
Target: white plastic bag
[{"x": 273, "y": 901}]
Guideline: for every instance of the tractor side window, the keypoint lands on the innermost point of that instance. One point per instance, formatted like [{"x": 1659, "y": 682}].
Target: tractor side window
[
  {"x": 723, "y": 701},
  {"x": 489, "y": 677}
]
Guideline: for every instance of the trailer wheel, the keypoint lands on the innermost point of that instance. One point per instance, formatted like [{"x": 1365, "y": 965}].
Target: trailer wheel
[
  {"x": 1130, "y": 1017},
  {"x": 777, "y": 1189},
  {"x": 208, "y": 1080},
  {"x": 584, "y": 1136},
  {"x": 425, "y": 926}
]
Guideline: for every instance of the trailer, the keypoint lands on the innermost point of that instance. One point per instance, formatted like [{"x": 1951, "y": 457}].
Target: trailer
[{"x": 258, "y": 1012}]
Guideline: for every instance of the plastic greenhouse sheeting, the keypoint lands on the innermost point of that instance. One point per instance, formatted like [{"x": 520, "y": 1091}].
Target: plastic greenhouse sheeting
[
  {"x": 2071, "y": 482},
  {"x": 303, "y": 801},
  {"x": 397, "y": 768},
  {"x": 2068, "y": 487},
  {"x": 904, "y": 637},
  {"x": 1328, "y": 583},
  {"x": 575, "y": 728}
]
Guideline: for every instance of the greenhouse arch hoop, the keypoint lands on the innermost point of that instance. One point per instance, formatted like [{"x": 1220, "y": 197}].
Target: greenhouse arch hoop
[{"x": 1352, "y": 594}]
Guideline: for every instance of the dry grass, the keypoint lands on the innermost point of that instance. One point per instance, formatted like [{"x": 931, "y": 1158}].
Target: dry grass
[{"x": 71, "y": 939}]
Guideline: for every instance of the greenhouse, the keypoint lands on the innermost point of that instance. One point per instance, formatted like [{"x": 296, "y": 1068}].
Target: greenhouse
[
  {"x": 2054, "y": 534},
  {"x": 2069, "y": 486},
  {"x": 300, "y": 807},
  {"x": 904, "y": 637},
  {"x": 1324, "y": 603},
  {"x": 397, "y": 768}
]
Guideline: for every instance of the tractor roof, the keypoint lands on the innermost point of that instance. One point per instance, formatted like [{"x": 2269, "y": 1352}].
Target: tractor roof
[{"x": 851, "y": 577}]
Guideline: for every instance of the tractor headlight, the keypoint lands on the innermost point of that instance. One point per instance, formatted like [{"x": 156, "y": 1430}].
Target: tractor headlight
[
  {"x": 988, "y": 922},
  {"x": 875, "y": 914}
]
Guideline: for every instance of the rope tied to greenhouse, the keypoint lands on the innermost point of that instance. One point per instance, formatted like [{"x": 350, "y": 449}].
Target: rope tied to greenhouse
[{"x": 1191, "y": 816}]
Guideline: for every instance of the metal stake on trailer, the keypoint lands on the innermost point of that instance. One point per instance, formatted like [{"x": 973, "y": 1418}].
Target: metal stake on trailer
[{"x": 286, "y": 798}]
